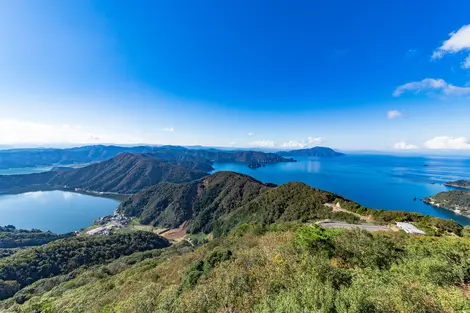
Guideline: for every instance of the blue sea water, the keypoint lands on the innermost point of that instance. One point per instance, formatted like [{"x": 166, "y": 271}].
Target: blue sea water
[
  {"x": 57, "y": 211},
  {"x": 376, "y": 181}
]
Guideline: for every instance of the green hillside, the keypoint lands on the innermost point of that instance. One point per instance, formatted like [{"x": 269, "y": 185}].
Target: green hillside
[
  {"x": 221, "y": 201},
  {"x": 283, "y": 268}
]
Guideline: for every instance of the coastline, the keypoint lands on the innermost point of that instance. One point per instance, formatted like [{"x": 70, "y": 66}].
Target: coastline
[{"x": 429, "y": 201}]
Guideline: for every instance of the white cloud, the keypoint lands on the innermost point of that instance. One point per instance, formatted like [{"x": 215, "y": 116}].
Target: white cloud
[
  {"x": 403, "y": 145},
  {"x": 263, "y": 144},
  {"x": 251, "y": 134},
  {"x": 315, "y": 140},
  {"x": 431, "y": 84},
  {"x": 448, "y": 143},
  {"x": 458, "y": 41},
  {"x": 393, "y": 114},
  {"x": 411, "y": 53},
  {"x": 293, "y": 144},
  {"x": 168, "y": 129},
  {"x": 466, "y": 63},
  {"x": 25, "y": 132}
]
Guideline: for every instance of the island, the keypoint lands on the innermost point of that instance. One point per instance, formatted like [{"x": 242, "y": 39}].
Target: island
[
  {"x": 312, "y": 152},
  {"x": 457, "y": 201},
  {"x": 462, "y": 183}
]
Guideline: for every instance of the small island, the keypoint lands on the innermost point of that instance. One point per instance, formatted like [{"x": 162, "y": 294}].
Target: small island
[
  {"x": 462, "y": 183},
  {"x": 457, "y": 201}
]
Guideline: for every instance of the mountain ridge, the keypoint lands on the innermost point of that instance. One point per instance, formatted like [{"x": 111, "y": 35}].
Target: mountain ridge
[{"x": 124, "y": 174}]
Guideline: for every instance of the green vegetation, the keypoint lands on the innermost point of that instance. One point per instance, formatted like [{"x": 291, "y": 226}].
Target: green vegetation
[
  {"x": 454, "y": 200},
  {"x": 10, "y": 237},
  {"x": 432, "y": 225},
  {"x": 221, "y": 201},
  {"x": 63, "y": 256},
  {"x": 286, "y": 267}
]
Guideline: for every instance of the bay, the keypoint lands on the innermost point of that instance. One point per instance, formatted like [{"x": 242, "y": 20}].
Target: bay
[
  {"x": 376, "y": 181},
  {"x": 57, "y": 211}
]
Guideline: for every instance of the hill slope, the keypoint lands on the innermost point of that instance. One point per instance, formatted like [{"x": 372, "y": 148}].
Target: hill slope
[
  {"x": 315, "y": 151},
  {"x": 221, "y": 201},
  {"x": 126, "y": 173},
  {"x": 201, "y": 202},
  {"x": 285, "y": 268}
]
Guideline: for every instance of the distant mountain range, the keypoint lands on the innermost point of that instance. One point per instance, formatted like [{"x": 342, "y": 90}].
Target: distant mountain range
[
  {"x": 315, "y": 151},
  {"x": 124, "y": 174},
  {"x": 194, "y": 158}
]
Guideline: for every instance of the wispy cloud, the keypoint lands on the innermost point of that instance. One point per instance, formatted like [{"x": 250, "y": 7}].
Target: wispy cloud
[
  {"x": 315, "y": 140},
  {"x": 431, "y": 84},
  {"x": 293, "y": 144},
  {"x": 411, "y": 53},
  {"x": 263, "y": 144},
  {"x": 458, "y": 41},
  {"x": 168, "y": 129},
  {"x": 393, "y": 114},
  {"x": 447, "y": 143},
  {"x": 404, "y": 145},
  {"x": 290, "y": 144},
  {"x": 251, "y": 134},
  {"x": 14, "y": 131}
]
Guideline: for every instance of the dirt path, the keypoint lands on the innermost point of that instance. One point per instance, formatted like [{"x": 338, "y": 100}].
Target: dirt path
[
  {"x": 174, "y": 234},
  {"x": 337, "y": 208}
]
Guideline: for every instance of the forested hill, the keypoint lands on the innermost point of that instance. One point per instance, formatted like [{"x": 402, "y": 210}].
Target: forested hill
[
  {"x": 193, "y": 158},
  {"x": 63, "y": 256},
  {"x": 315, "y": 151},
  {"x": 126, "y": 173},
  {"x": 221, "y": 201},
  {"x": 200, "y": 202}
]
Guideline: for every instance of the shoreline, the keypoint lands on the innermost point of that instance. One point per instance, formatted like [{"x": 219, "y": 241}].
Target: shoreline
[
  {"x": 428, "y": 201},
  {"x": 44, "y": 188}
]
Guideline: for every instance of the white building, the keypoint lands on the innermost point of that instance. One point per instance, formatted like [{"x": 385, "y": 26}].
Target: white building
[{"x": 410, "y": 228}]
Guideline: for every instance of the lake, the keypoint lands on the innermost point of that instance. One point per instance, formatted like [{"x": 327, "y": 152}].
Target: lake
[
  {"x": 376, "y": 181},
  {"x": 57, "y": 211}
]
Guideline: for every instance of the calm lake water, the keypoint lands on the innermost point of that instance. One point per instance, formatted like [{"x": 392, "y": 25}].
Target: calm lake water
[
  {"x": 57, "y": 211},
  {"x": 376, "y": 181}
]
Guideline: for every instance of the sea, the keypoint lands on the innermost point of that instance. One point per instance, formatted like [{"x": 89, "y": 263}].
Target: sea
[{"x": 376, "y": 181}]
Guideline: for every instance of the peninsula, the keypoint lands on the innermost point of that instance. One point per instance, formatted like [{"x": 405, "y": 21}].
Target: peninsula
[
  {"x": 462, "y": 183},
  {"x": 457, "y": 201}
]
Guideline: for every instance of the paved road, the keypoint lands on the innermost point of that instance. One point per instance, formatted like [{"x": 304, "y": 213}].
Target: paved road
[{"x": 338, "y": 224}]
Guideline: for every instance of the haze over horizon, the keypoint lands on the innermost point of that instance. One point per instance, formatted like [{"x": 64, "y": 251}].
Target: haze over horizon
[{"x": 352, "y": 76}]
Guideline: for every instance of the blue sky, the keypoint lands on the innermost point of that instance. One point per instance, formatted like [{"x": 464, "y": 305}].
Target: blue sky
[{"x": 379, "y": 75}]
